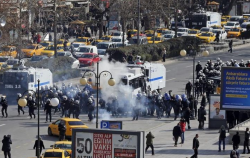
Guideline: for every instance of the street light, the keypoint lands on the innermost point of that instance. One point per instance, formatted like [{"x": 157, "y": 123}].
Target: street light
[
  {"x": 3, "y": 21},
  {"x": 193, "y": 53},
  {"x": 84, "y": 81},
  {"x": 23, "y": 102}
]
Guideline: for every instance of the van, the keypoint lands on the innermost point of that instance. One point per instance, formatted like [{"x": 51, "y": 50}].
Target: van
[{"x": 86, "y": 49}]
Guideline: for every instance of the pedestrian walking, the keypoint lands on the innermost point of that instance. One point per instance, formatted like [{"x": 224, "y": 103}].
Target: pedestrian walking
[
  {"x": 183, "y": 129},
  {"x": 246, "y": 141},
  {"x": 31, "y": 105},
  {"x": 236, "y": 141},
  {"x": 188, "y": 88},
  {"x": 4, "y": 104},
  {"x": 196, "y": 145},
  {"x": 62, "y": 130},
  {"x": 176, "y": 133},
  {"x": 41, "y": 146},
  {"x": 230, "y": 44},
  {"x": 164, "y": 54},
  {"x": 6, "y": 146},
  {"x": 222, "y": 137},
  {"x": 201, "y": 117},
  {"x": 149, "y": 142},
  {"x": 19, "y": 108},
  {"x": 50, "y": 37}
]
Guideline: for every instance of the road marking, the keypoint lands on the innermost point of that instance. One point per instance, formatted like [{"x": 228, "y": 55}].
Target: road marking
[
  {"x": 2, "y": 125},
  {"x": 18, "y": 147},
  {"x": 170, "y": 79},
  {"x": 189, "y": 66},
  {"x": 168, "y": 70}
]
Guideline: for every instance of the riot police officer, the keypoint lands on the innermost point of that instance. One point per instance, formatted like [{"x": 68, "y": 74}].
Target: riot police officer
[
  {"x": 71, "y": 108},
  {"x": 19, "y": 108},
  {"x": 31, "y": 105},
  {"x": 77, "y": 108},
  {"x": 4, "y": 104},
  {"x": 47, "y": 109},
  {"x": 64, "y": 106},
  {"x": 91, "y": 108}
]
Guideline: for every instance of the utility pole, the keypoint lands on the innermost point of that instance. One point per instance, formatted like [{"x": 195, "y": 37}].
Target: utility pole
[
  {"x": 55, "y": 31},
  {"x": 138, "y": 25}
]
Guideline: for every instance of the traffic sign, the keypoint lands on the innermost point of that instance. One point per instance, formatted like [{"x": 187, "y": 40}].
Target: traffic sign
[{"x": 106, "y": 124}]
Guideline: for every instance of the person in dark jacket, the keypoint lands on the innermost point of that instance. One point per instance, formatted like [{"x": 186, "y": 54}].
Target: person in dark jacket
[
  {"x": 203, "y": 101},
  {"x": 31, "y": 105},
  {"x": 246, "y": 141},
  {"x": 187, "y": 115},
  {"x": 201, "y": 117},
  {"x": 230, "y": 45},
  {"x": 62, "y": 130},
  {"x": 198, "y": 68},
  {"x": 6, "y": 146},
  {"x": 196, "y": 145},
  {"x": 50, "y": 37},
  {"x": 188, "y": 88},
  {"x": 4, "y": 104},
  {"x": 47, "y": 109},
  {"x": 222, "y": 137},
  {"x": 176, "y": 133},
  {"x": 236, "y": 141},
  {"x": 41, "y": 146},
  {"x": 149, "y": 142}
]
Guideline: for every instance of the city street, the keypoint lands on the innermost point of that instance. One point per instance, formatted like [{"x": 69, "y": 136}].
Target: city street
[{"x": 24, "y": 130}]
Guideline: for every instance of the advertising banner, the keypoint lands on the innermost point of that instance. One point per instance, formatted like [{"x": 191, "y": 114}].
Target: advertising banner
[
  {"x": 214, "y": 111},
  {"x": 90, "y": 143},
  {"x": 235, "y": 88}
]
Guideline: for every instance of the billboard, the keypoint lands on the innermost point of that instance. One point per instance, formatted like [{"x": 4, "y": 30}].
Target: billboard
[
  {"x": 111, "y": 124},
  {"x": 214, "y": 111},
  {"x": 235, "y": 88},
  {"x": 91, "y": 143}
]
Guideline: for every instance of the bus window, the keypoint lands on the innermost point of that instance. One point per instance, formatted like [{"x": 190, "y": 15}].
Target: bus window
[
  {"x": 31, "y": 78},
  {"x": 208, "y": 18}
]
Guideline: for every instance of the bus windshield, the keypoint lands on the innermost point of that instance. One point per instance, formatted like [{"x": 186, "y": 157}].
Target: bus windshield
[{"x": 15, "y": 77}]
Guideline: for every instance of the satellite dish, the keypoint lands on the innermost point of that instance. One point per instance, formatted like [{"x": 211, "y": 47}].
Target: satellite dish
[{"x": 3, "y": 21}]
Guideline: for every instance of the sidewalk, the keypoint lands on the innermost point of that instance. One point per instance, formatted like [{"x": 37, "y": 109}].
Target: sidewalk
[{"x": 164, "y": 144}]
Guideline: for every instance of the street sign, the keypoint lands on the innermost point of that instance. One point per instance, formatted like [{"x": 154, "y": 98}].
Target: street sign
[
  {"x": 93, "y": 143},
  {"x": 106, "y": 124}
]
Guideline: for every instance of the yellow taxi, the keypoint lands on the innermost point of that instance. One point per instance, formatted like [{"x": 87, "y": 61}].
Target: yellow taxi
[
  {"x": 56, "y": 153},
  {"x": 158, "y": 39},
  {"x": 223, "y": 21},
  {"x": 61, "y": 42},
  {"x": 132, "y": 32},
  {"x": 234, "y": 33},
  {"x": 46, "y": 43},
  {"x": 226, "y": 16},
  {"x": 207, "y": 37},
  {"x": 4, "y": 59},
  {"x": 31, "y": 50},
  {"x": 69, "y": 123},
  {"x": 49, "y": 51},
  {"x": 84, "y": 40},
  {"x": 160, "y": 31},
  {"x": 193, "y": 32},
  {"x": 148, "y": 31},
  {"x": 217, "y": 27},
  {"x": 8, "y": 51},
  {"x": 106, "y": 38},
  {"x": 64, "y": 144},
  {"x": 150, "y": 35}
]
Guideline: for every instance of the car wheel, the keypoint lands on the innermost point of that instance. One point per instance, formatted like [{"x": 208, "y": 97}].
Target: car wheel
[{"x": 50, "y": 132}]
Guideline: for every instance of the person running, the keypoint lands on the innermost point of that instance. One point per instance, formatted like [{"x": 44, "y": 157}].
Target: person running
[{"x": 149, "y": 142}]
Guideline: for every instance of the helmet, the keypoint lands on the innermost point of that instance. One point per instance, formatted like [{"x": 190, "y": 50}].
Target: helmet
[
  {"x": 48, "y": 100},
  {"x": 77, "y": 101},
  {"x": 64, "y": 97},
  {"x": 90, "y": 100},
  {"x": 19, "y": 95},
  {"x": 218, "y": 59},
  {"x": 72, "y": 99},
  {"x": 30, "y": 98}
]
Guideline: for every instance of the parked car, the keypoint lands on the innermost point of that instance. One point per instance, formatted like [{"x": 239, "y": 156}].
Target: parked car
[
  {"x": 206, "y": 29},
  {"x": 8, "y": 51},
  {"x": 234, "y": 33},
  {"x": 206, "y": 37},
  {"x": 117, "y": 40},
  {"x": 77, "y": 45},
  {"x": 64, "y": 53},
  {"x": 34, "y": 49},
  {"x": 86, "y": 49},
  {"x": 88, "y": 59},
  {"x": 193, "y": 32},
  {"x": 182, "y": 31}
]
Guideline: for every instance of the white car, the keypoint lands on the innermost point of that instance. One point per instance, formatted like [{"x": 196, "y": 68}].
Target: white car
[
  {"x": 231, "y": 24},
  {"x": 118, "y": 40},
  {"x": 86, "y": 49},
  {"x": 223, "y": 33},
  {"x": 168, "y": 32},
  {"x": 206, "y": 29},
  {"x": 77, "y": 45},
  {"x": 168, "y": 36},
  {"x": 182, "y": 32},
  {"x": 118, "y": 34},
  {"x": 244, "y": 25},
  {"x": 75, "y": 63}
]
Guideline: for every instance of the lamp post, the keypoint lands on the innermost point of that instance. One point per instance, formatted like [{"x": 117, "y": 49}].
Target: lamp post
[
  {"x": 193, "y": 53},
  {"x": 2, "y": 23},
  {"x": 23, "y": 102},
  {"x": 84, "y": 81},
  {"x": 138, "y": 25}
]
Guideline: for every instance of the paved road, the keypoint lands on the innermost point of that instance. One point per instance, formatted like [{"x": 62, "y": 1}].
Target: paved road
[{"x": 179, "y": 71}]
